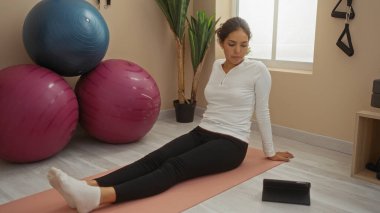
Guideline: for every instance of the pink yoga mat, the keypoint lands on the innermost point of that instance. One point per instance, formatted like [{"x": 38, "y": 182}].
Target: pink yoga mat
[{"x": 185, "y": 195}]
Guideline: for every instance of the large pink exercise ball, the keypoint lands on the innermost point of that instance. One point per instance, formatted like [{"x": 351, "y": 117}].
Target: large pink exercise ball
[
  {"x": 119, "y": 101},
  {"x": 38, "y": 113}
]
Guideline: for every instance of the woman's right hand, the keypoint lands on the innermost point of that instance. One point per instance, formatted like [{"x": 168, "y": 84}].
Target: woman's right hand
[{"x": 282, "y": 156}]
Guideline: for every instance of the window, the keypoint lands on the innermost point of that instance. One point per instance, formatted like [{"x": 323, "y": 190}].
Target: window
[{"x": 283, "y": 31}]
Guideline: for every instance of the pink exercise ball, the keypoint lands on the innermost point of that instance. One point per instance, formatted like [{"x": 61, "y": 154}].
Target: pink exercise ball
[
  {"x": 38, "y": 113},
  {"x": 119, "y": 101}
]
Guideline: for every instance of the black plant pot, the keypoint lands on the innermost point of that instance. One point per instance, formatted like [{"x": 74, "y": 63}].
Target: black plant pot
[{"x": 184, "y": 112}]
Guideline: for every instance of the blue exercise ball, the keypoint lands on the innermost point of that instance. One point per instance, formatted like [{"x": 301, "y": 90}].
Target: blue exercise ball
[{"x": 69, "y": 37}]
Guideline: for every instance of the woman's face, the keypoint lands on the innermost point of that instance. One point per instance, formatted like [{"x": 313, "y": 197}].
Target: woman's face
[{"x": 235, "y": 47}]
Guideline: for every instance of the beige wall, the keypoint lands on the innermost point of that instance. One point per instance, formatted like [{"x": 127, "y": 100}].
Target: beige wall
[{"x": 324, "y": 102}]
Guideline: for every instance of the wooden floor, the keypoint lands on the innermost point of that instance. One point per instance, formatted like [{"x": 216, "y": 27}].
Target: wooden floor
[{"x": 332, "y": 188}]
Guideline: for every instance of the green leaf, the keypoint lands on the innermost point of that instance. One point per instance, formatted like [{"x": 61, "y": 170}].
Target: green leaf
[
  {"x": 201, "y": 31},
  {"x": 175, "y": 12}
]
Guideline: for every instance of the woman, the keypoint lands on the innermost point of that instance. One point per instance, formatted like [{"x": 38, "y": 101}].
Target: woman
[{"x": 237, "y": 87}]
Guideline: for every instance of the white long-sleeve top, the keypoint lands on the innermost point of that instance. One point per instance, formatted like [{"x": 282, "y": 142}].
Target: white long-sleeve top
[{"x": 233, "y": 97}]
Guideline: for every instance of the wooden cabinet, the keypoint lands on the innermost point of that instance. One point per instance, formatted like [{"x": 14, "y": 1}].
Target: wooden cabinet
[{"x": 366, "y": 145}]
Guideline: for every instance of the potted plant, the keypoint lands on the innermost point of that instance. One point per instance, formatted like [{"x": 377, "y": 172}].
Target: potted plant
[
  {"x": 201, "y": 31},
  {"x": 175, "y": 12}
]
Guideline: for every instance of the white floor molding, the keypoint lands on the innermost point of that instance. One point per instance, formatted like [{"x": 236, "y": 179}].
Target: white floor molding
[{"x": 313, "y": 139}]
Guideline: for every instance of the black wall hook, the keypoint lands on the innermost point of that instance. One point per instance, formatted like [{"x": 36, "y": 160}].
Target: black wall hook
[{"x": 108, "y": 3}]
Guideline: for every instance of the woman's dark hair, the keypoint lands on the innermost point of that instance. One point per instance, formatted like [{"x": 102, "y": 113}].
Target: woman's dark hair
[{"x": 231, "y": 25}]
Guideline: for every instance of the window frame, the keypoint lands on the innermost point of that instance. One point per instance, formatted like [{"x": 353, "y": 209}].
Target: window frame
[{"x": 273, "y": 64}]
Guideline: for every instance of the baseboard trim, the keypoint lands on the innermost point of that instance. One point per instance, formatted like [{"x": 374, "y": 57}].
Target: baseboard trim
[
  {"x": 313, "y": 139},
  {"x": 293, "y": 134}
]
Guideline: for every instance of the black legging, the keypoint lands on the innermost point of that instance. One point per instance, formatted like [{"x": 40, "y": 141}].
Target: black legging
[{"x": 197, "y": 153}]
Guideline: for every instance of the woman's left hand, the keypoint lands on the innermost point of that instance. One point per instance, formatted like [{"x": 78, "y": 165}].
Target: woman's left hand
[{"x": 282, "y": 156}]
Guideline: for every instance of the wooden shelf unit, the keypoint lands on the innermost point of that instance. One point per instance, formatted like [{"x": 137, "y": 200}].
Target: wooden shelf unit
[{"x": 366, "y": 145}]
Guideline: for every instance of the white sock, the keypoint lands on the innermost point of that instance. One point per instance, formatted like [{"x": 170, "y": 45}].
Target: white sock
[
  {"x": 84, "y": 197},
  {"x": 55, "y": 183}
]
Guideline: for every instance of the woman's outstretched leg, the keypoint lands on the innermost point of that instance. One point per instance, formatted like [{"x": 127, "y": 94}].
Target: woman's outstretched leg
[
  {"x": 212, "y": 153},
  {"x": 209, "y": 158},
  {"x": 151, "y": 161},
  {"x": 61, "y": 181}
]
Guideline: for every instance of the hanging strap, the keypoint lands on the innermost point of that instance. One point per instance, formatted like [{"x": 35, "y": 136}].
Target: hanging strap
[
  {"x": 348, "y": 49},
  {"x": 340, "y": 14}
]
